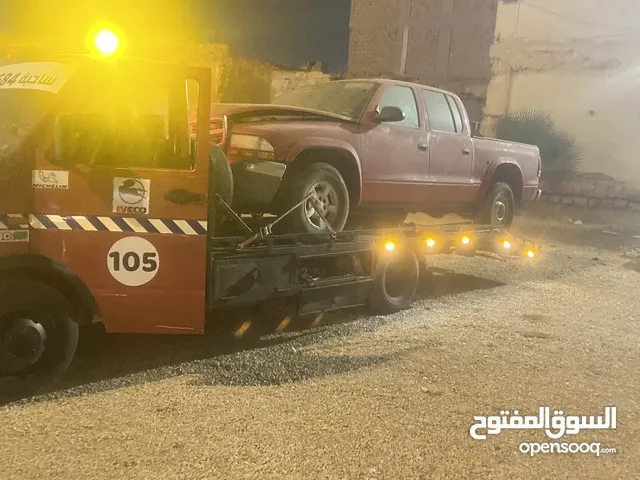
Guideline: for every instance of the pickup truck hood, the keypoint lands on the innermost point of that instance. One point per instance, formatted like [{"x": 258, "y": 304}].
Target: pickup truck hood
[{"x": 269, "y": 111}]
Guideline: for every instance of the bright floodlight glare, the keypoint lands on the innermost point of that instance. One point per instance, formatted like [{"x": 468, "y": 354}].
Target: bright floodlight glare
[
  {"x": 106, "y": 42},
  {"x": 530, "y": 254},
  {"x": 431, "y": 243},
  {"x": 466, "y": 240},
  {"x": 390, "y": 246},
  {"x": 506, "y": 244}
]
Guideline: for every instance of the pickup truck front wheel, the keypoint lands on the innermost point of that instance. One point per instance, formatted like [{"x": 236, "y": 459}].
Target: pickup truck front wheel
[
  {"x": 329, "y": 188},
  {"x": 498, "y": 207}
]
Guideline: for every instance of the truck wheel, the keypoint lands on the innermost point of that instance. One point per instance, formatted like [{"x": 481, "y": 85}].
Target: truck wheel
[
  {"x": 220, "y": 182},
  {"x": 38, "y": 337},
  {"x": 331, "y": 191},
  {"x": 498, "y": 207},
  {"x": 395, "y": 282},
  {"x": 221, "y": 175}
]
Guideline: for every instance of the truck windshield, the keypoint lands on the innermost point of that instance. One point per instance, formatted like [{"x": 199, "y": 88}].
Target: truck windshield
[
  {"x": 20, "y": 111},
  {"x": 348, "y": 99},
  {"x": 27, "y": 93}
]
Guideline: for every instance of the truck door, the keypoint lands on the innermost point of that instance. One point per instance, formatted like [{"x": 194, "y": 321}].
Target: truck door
[
  {"x": 395, "y": 165},
  {"x": 450, "y": 151},
  {"x": 128, "y": 213}
]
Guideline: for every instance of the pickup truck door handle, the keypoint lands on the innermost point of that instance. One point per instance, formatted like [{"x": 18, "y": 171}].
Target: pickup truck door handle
[
  {"x": 423, "y": 147},
  {"x": 466, "y": 151}
]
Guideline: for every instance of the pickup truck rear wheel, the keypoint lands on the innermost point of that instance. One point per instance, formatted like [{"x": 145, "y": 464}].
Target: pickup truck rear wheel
[
  {"x": 329, "y": 188},
  {"x": 498, "y": 207}
]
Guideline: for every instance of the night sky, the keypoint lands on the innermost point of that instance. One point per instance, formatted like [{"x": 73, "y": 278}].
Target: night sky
[
  {"x": 286, "y": 32},
  {"x": 283, "y": 32}
]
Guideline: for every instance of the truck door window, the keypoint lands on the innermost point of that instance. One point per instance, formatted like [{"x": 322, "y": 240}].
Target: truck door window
[
  {"x": 143, "y": 124},
  {"x": 439, "y": 112},
  {"x": 403, "y": 98},
  {"x": 457, "y": 117}
]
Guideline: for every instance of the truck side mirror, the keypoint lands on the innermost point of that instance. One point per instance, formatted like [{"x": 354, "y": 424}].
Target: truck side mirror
[{"x": 389, "y": 114}]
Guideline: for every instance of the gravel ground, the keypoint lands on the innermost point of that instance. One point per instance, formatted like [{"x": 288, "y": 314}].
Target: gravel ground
[{"x": 363, "y": 397}]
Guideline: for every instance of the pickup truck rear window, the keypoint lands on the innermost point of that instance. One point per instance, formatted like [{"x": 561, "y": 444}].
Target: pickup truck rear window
[{"x": 439, "y": 112}]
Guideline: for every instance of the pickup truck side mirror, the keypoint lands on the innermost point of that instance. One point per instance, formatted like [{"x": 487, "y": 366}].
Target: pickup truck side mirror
[{"x": 389, "y": 114}]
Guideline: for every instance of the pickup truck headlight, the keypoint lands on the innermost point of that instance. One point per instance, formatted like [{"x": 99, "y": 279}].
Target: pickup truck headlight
[{"x": 250, "y": 146}]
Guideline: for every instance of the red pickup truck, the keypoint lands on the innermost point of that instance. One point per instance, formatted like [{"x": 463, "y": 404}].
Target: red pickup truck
[{"x": 371, "y": 150}]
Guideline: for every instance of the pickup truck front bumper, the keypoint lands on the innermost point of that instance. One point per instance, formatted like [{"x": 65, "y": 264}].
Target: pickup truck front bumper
[{"x": 255, "y": 183}]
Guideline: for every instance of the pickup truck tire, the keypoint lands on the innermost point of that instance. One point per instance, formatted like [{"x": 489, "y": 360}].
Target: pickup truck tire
[
  {"x": 395, "y": 281},
  {"x": 220, "y": 182},
  {"x": 221, "y": 175},
  {"x": 331, "y": 190},
  {"x": 498, "y": 207},
  {"x": 38, "y": 337}
]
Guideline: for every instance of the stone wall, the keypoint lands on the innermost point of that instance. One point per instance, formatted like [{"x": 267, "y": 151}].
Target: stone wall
[
  {"x": 442, "y": 43},
  {"x": 577, "y": 62},
  {"x": 593, "y": 191},
  {"x": 234, "y": 79},
  {"x": 286, "y": 80}
]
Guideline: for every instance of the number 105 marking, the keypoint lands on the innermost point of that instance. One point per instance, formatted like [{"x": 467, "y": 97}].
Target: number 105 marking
[{"x": 131, "y": 261}]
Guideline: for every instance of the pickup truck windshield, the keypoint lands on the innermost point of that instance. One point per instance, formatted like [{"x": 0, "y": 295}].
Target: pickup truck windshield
[{"x": 348, "y": 99}]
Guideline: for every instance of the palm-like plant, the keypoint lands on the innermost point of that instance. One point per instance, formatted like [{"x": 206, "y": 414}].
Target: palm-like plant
[{"x": 558, "y": 150}]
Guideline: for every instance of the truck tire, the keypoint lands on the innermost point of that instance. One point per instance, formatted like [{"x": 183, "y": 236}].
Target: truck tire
[
  {"x": 220, "y": 182},
  {"x": 38, "y": 337},
  {"x": 331, "y": 190},
  {"x": 395, "y": 281},
  {"x": 498, "y": 208},
  {"x": 221, "y": 175}
]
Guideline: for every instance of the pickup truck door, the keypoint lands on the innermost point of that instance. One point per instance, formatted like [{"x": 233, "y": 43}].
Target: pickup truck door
[
  {"x": 451, "y": 154},
  {"x": 395, "y": 157}
]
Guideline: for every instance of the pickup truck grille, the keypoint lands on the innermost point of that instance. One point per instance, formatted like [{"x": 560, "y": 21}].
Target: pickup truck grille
[{"x": 216, "y": 131}]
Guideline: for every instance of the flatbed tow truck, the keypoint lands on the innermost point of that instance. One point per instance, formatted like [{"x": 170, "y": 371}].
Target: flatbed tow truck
[{"x": 109, "y": 213}]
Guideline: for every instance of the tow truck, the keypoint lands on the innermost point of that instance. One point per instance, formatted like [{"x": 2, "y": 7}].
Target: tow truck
[{"x": 114, "y": 209}]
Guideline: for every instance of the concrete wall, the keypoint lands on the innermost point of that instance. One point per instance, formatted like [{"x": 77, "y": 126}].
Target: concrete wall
[
  {"x": 443, "y": 43},
  {"x": 580, "y": 63}
]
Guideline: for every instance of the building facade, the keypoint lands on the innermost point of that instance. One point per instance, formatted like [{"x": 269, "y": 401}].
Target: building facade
[
  {"x": 441, "y": 43},
  {"x": 579, "y": 61}
]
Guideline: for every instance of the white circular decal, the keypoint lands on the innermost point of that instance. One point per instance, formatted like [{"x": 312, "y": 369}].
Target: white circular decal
[{"x": 133, "y": 261}]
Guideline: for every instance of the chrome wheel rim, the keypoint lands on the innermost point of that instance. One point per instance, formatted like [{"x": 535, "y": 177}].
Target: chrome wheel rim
[
  {"x": 328, "y": 203},
  {"x": 500, "y": 211}
]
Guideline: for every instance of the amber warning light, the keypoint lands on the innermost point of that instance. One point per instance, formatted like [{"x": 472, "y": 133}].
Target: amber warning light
[{"x": 105, "y": 40}]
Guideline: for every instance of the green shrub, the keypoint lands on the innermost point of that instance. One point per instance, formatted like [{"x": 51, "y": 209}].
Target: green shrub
[{"x": 558, "y": 150}]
